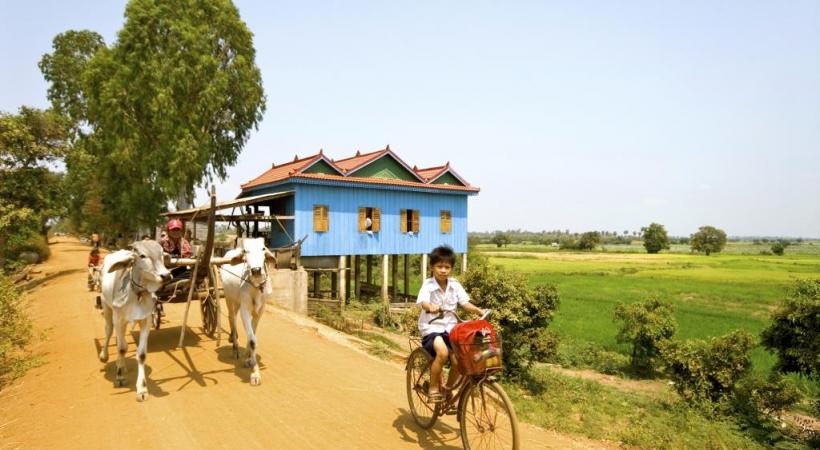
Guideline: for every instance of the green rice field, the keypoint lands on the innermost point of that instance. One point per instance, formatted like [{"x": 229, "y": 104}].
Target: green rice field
[{"x": 712, "y": 295}]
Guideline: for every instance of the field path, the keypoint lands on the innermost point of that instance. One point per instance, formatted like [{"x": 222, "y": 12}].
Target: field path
[{"x": 316, "y": 393}]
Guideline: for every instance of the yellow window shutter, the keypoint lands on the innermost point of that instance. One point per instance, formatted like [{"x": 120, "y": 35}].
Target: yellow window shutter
[
  {"x": 415, "y": 221},
  {"x": 446, "y": 224},
  {"x": 377, "y": 219},
  {"x": 320, "y": 218},
  {"x": 362, "y": 214},
  {"x": 325, "y": 218},
  {"x": 404, "y": 221}
]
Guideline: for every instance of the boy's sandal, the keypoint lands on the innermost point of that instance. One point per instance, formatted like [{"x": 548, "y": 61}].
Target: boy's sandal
[{"x": 435, "y": 397}]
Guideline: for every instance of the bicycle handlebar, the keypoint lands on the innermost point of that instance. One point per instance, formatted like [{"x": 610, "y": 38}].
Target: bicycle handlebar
[{"x": 441, "y": 313}]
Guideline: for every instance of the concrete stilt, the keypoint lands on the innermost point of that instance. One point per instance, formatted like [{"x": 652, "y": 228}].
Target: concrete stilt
[
  {"x": 385, "y": 272},
  {"x": 424, "y": 273},
  {"x": 342, "y": 285},
  {"x": 357, "y": 277}
]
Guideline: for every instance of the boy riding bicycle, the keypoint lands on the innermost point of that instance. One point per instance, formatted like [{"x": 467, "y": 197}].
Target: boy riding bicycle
[
  {"x": 441, "y": 293},
  {"x": 93, "y": 267}
]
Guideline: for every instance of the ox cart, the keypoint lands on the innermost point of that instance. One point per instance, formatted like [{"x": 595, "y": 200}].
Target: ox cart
[{"x": 203, "y": 281}]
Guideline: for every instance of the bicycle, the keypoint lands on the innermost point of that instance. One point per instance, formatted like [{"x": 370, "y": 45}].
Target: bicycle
[
  {"x": 95, "y": 279},
  {"x": 484, "y": 412}
]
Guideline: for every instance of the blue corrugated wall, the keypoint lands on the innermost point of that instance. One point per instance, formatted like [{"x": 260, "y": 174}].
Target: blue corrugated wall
[
  {"x": 278, "y": 238},
  {"x": 343, "y": 236}
]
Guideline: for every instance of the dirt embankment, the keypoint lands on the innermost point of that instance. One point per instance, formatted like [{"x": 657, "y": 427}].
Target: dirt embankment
[{"x": 317, "y": 392}]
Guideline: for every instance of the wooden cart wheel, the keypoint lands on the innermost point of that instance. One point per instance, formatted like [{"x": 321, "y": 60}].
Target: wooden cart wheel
[
  {"x": 208, "y": 308},
  {"x": 156, "y": 316}
]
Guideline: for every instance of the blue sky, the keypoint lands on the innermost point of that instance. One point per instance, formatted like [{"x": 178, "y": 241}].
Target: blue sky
[{"x": 582, "y": 115}]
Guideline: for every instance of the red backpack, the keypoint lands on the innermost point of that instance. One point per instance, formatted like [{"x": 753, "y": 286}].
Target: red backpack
[{"x": 476, "y": 345}]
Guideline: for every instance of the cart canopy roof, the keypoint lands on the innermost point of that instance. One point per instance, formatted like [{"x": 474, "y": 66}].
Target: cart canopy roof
[{"x": 201, "y": 213}]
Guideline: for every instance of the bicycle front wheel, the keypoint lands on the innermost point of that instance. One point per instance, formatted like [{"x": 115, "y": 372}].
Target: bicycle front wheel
[
  {"x": 487, "y": 418},
  {"x": 418, "y": 382}
]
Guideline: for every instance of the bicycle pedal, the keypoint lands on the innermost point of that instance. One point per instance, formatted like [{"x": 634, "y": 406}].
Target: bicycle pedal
[{"x": 451, "y": 411}]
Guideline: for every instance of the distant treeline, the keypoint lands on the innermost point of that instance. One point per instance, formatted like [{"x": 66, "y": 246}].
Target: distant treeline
[
  {"x": 549, "y": 237},
  {"x": 545, "y": 237}
]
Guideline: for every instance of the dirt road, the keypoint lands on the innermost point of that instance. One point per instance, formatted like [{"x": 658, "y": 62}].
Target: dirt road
[{"x": 316, "y": 392}]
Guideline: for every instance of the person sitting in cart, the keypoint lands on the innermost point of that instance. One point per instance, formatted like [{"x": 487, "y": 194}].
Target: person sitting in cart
[
  {"x": 441, "y": 293},
  {"x": 175, "y": 244}
]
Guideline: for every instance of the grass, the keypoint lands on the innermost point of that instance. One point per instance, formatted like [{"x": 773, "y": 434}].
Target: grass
[
  {"x": 711, "y": 295},
  {"x": 15, "y": 334},
  {"x": 647, "y": 420}
]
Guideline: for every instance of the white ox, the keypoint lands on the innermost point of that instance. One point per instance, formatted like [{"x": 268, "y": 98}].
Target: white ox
[
  {"x": 247, "y": 286},
  {"x": 130, "y": 280}
]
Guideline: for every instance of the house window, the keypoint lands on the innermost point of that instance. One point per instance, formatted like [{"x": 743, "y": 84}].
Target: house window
[
  {"x": 409, "y": 220},
  {"x": 369, "y": 220},
  {"x": 446, "y": 221},
  {"x": 320, "y": 220}
]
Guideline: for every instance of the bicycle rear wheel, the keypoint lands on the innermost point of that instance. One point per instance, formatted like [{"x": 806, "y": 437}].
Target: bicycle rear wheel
[
  {"x": 418, "y": 381},
  {"x": 487, "y": 418}
]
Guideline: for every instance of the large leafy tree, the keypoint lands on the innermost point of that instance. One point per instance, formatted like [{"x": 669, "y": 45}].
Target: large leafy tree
[
  {"x": 501, "y": 239},
  {"x": 708, "y": 240},
  {"x": 30, "y": 192},
  {"x": 168, "y": 106},
  {"x": 655, "y": 238},
  {"x": 65, "y": 70},
  {"x": 589, "y": 240}
]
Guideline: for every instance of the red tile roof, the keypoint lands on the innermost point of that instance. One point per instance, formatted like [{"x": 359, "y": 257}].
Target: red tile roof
[
  {"x": 430, "y": 173},
  {"x": 360, "y": 159},
  {"x": 294, "y": 169},
  {"x": 280, "y": 172},
  {"x": 387, "y": 181}
]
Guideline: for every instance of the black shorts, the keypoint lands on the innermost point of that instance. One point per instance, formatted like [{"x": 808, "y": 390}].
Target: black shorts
[{"x": 427, "y": 342}]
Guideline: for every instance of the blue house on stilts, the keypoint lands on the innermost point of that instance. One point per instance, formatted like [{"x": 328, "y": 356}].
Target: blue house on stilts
[{"x": 371, "y": 206}]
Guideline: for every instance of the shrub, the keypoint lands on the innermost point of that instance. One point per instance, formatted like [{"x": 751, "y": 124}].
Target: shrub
[
  {"x": 706, "y": 372},
  {"x": 324, "y": 314},
  {"x": 19, "y": 232},
  {"x": 567, "y": 243},
  {"x": 778, "y": 248},
  {"x": 794, "y": 333},
  {"x": 521, "y": 313},
  {"x": 768, "y": 397},
  {"x": 37, "y": 244},
  {"x": 382, "y": 316},
  {"x": 408, "y": 320},
  {"x": 15, "y": 332},
  {"x": 758, "y": 403},
  {"x": 644, "y": 325},
  {"x": 548, "y": 346},
  {"x": 475, "y": 258}
]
